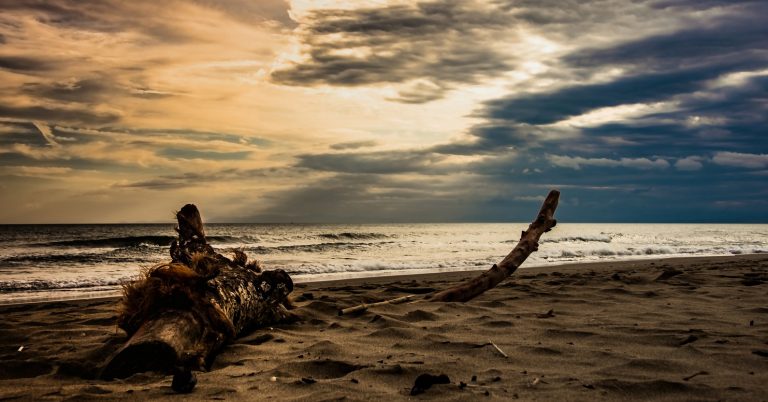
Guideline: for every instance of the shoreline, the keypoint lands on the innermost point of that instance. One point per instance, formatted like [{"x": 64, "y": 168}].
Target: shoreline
[
  {"x": 672, "y": 329},
  {"x": 355, "y": 278}
]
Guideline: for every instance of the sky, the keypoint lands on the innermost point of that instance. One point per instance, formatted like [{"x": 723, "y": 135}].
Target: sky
[{"x": 383, "y": 111}]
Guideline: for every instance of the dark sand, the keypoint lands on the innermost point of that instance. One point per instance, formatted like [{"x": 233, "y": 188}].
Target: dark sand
[{"x": 616, "y": 331}]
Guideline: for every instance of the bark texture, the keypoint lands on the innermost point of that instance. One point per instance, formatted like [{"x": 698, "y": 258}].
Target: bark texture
[
  {"x": 180, "y": 314},
  {"x": 529, "y": 242}
]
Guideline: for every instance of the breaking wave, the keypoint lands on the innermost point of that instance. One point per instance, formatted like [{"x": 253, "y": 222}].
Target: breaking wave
[
  {"x": 134, "y": 241},
  {"x": 314, "y": 248},
  {"x": 353, "y": 236},
  {"x": 572, "y": 239}
]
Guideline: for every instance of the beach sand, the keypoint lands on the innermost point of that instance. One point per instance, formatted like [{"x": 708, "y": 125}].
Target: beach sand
[{"x": 665, "y": 329}]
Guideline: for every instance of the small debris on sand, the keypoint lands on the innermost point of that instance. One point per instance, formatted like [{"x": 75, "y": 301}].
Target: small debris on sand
[
  {"x": 548, "y": 314},
  {"x": 184, "y": 381},
  {"x": 668, "y": 273},
  {"x": 426, "y": 381},
  {"x": 689, "y": 339},
  {"x": 694, "y": 375}
]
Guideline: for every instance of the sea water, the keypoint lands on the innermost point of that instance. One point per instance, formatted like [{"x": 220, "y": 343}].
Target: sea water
[{"x": 51, "y": 262}]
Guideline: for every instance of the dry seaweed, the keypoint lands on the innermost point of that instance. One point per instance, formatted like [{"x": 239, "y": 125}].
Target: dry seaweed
[{"x": 172, "y": 286}]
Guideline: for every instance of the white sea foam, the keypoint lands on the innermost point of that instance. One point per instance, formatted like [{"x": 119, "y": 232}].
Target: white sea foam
[{"x": 37, "y": 260}]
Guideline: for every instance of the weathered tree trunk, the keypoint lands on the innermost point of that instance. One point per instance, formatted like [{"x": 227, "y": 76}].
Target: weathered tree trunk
[
  {"x": 529, "y": 242},
  {"x": 180, "y": 314}
]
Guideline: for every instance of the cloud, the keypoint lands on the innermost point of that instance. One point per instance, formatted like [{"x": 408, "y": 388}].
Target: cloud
[
  {"x": 341, "y": 146},
  {"x": 123, "y": 59},
  {"x": 370, "y": 163},
  {"x": 420, "y": 91},
  {"x": 189, "y": 154},
  {"x": 86, "y": 90},
  {"x": 369, "y": 198},
  {"x": 551, "y": 107},
  {"x": 529, "y": 198},
  {"x": 689, "y": 163},
  {"x": 699, "y": 4},
  {"x": 428, "y": 45},
  {"x": 25, "y": 64},
  {"x": 166, "y": 183},
  {"x": 743, "y": 160},
  {"x": 106, "y": 17},
  {"x": 635, "y": 163},
  {"x": 253, "y": 12},
  {"x": 46, "y": 132},
  {"x": 230, "y": 177},
  {"x": 675, "y": 69},
  {"x": 729, "y": 37},
  {"x": 61, "y": 114},
  {"x": 141, "y": 148},
  {"x": 37, "y": 171}
]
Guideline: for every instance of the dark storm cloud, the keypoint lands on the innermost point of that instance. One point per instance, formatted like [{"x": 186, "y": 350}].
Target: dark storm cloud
[
  {"x": 95, "y": 88},
  {"x": 699, "y": 4},
  {"x": 161, "y": 184},
  {"x": 353, "y": 145},
  {"x": 439, "y": 44},
  {"x": 20, "y": 133},
  {"x": 370, "y": 163},
  {"x": 455, "y": 62},
  {"x": 23, "y": 64},
  {"x": 84, "y": 90},
  {"x": 428, "y": 162},
  {"x": 196, "y": 135},
  {"x": 365, "y": 198},
  {"x": 551, "y": 107},
  {"x": 171, "y": 182},
  {"x": 103, "y": 16},
  {"x": 177, "y": 153},
  {"x": 195, "y": 179},
  {"x": 487, "y": 138},
  {"x": 679, "y": 67},
  {"x": 446, "y": 42},
  {"x": 420, "y": 93},
  {"x": 83, "y": 116},
  {"x": 330, "y": 199},
  {"x": 727, "y": 39},
  {"x": 730, "y": 118}
]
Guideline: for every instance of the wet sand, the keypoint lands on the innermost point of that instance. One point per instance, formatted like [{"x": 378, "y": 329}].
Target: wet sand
[{"x": 664, "y": 329}]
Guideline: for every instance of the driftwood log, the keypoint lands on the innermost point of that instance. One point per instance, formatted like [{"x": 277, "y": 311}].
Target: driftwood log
[
  {"x": 529, "y": 242},
  {"x": 179, "y": 315}
]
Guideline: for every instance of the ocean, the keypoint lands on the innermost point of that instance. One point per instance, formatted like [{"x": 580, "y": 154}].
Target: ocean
[{"x": 56, "y": 262}]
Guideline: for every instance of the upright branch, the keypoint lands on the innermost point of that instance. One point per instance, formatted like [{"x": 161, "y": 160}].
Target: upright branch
[{"x": 529, "y": 242}]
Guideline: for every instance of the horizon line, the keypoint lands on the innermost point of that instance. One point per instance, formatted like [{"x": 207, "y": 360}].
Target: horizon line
[{"x": 681, "y": 222}]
